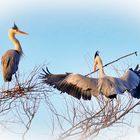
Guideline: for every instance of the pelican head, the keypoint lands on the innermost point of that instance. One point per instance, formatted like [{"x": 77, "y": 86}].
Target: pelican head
[
  {"x": 96, "y": 54},
  {"x": 15, "y": 30},
  {"x": 97, "y": 60}
]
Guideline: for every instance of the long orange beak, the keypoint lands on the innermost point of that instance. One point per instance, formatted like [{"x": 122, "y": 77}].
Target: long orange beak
[
  {"x": 21, "y": 32},
  {"x": 95, "y": 66}
]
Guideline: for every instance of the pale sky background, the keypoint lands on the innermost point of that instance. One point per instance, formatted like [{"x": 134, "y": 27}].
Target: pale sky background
[{"x": 64, "y": 33}]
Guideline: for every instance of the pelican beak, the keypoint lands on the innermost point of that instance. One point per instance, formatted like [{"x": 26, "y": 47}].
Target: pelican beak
[
  {"x": 21, "y": 32},
  {"x": 95, "y": 66}
]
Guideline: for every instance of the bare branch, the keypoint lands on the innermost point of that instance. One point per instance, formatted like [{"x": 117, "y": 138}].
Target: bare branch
[{"x": 113, "y": 62}]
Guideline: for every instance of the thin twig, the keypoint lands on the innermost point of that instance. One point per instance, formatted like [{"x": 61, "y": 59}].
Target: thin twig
[{"x": 113, "y": 62}]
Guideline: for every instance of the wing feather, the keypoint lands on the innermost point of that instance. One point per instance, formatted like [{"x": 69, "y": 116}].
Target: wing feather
[
  {"x": 10, "y": 61},
  {"x": 75, "y": 85},
  {"x": 130, "y": 82}
]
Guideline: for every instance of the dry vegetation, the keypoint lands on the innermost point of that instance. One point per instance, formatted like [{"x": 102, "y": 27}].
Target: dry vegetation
[
  {"x": 20, "y": 101},
  {"x": 86, "y": 120}
]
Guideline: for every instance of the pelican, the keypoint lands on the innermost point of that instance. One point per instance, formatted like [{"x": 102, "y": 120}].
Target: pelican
[
  {"x": 11, "y": 58},
  {"x": 79, "y": 86}
]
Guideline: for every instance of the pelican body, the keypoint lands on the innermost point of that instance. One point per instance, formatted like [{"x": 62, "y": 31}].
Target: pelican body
[
  {"x": 79, "y": 86},
  {"x": 10, "y": 60}
]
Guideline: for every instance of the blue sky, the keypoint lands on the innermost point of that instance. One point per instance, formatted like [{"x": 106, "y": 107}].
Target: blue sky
[{"x": 64, "y": 33}]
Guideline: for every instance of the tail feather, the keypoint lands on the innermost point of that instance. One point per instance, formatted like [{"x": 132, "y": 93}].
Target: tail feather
[
  {"x": 7, "y": 78},
  {"x": 136, "y": 92}
]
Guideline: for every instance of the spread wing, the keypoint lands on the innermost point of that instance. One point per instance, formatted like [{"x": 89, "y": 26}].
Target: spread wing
[
  {"x": 76, "y": 85},
  {"x": 130, "y": 82}
]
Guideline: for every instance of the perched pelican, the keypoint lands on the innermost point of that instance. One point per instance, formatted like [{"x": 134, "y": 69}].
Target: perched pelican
[
  {"x": 11, "y": 58},
  {"x": 79, "y": 86}
]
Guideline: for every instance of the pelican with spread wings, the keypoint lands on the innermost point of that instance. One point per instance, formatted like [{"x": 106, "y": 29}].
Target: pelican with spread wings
[{"x": 79, "y": 86}]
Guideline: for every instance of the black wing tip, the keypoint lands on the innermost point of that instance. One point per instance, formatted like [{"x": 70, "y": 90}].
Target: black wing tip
[
  {"x": 45, "y": 73},
  {"x": 48, "y": 70},
  {"x": 136, "y": 70},
  {"x": 136, "y": 92},
  {"x": 137, "y": 67}
]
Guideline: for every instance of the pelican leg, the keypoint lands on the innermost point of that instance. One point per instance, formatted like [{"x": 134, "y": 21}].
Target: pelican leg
[
  {"x": 117, "y": 107},
  {"x": 20, "y": 90},
  {"x": 8, "y": 86},
  {"x": 18, "y": 85},
  {"x": 112, "y": 107},
  {"x": 107, "y": 114},
  {"x": 16, "y": 78},
  {"x": 17, "y": 81},
  {"x": 109, "y": 107}
]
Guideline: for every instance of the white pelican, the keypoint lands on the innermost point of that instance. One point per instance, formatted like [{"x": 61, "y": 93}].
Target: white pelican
[
  {"x": 11, "y": 58},
  {"x": 79, "y": 86}
]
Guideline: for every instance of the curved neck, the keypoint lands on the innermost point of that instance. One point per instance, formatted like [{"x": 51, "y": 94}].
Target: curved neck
[
  {"x": 15, "y": 42},
  {"x": 102, "y": 74},
  {"x": 100, "y": 66}
]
